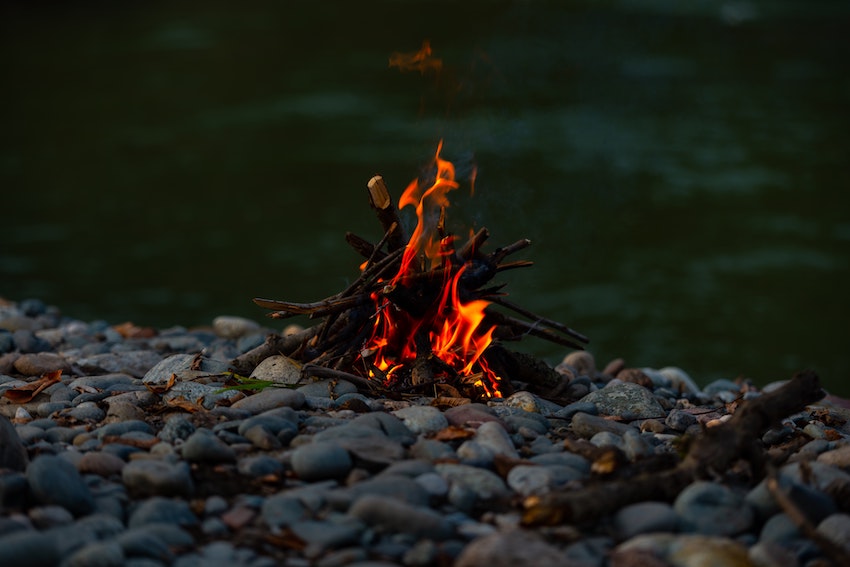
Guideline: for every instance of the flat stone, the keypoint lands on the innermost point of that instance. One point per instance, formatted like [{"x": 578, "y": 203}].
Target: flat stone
[
  {"x": 625, "y": 399},
  {"x": 161, "y": 510},
  {"x": 422, "y": 419},
  {"x": 135, "y": 362},
  {"x": 645, "y": 517},
  {"x": 36, "y": 364},
  {"x": 391, "y": 515},
  {"x": 270, "y": 398},
  {"x": 586, "y": 425},
  {"x": 203, "y": 446}
]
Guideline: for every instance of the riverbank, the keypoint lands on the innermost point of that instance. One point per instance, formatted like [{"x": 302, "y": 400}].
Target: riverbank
[{"x": 120, "y": 446}]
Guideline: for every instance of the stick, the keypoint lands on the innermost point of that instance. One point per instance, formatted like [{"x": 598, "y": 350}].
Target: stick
[
  {"x": 473, "y": 245},
  {"x": 537, "y": 318},
  {"x": 245, "y": 363},
  {"x": 835, "y": 552},
  {"x": 323, "y": 372},
  {"x": 496, "y": 318},
  {"x": 379, "y": 198},
  {"x": 317, "y": 309},
  {"x": 499, "y": 254},
  {"x": 363, "y": 246}
]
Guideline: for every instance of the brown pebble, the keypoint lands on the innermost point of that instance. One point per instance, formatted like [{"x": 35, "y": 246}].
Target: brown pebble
[
  {"x": 238, "y": 517},
  {"x": 582, "y": 361},
  {"x": 635, "y": 376},
  {"x": 103, "y": 464},
  {"x": 614, "y": 367},
  {"x": 652, "y": 426}
]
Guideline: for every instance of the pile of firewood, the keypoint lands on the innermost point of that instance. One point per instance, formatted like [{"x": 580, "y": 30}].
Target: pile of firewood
[{"x": 337, "y": 346}]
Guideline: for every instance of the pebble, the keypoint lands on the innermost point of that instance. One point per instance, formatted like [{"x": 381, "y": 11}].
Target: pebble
[
  {"x": 138, "y": 456},
  {"x": 53, "y": 480}
]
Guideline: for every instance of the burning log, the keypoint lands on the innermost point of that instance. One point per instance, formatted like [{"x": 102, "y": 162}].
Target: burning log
[{"x": 421, "y": 311}]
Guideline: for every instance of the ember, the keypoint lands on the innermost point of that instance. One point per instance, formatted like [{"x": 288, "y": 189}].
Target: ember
[{"x": 419, "y": 315}]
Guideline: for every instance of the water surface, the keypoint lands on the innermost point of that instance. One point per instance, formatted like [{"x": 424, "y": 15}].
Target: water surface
[{"x": 681, "y": 171}]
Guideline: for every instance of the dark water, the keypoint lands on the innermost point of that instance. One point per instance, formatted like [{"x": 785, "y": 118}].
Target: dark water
[{"x": 681, "y": 171}]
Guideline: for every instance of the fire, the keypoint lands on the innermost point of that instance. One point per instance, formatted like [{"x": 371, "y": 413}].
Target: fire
[
  {"x": 419, "y": 61},
  {"x": 452, "y": 329}
]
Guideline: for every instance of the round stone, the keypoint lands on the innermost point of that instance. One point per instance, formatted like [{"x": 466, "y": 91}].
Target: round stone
[
  {"x": 320, "y": 461},
  {"x": 54, "y": 480}
]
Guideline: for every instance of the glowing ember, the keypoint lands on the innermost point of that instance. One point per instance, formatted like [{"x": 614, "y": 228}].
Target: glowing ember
[{"x": 450, "y": 329}]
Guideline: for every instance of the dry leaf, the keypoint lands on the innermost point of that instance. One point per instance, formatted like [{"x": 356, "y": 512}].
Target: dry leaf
[
  {"x": 26, "y": 393},
  {"x": 184, "y": 404},
  {"x": 163, "y": 388},
  {"x": 453, "y": 432},
  {"x": 447, "y": 402}
]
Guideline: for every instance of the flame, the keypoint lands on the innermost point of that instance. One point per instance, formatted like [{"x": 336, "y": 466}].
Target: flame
[
  {"x": 455, "y": 329},
  {"x": 419, "y": 61}
]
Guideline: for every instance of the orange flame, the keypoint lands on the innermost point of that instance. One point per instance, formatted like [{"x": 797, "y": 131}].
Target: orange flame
[
  {"x": 419, "y": 61},
  {"x": 455, "y": 329}
]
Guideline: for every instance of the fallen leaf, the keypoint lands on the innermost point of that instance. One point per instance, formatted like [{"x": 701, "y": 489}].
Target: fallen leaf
[
  {"x": 184, "y": 404},
  {"x": 26, "y": 393},
  {"x": 453, "y": 432},
  {"x": 163, "y": 388}
]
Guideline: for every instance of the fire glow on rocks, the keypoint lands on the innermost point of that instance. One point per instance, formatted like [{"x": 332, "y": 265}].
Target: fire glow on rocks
[{"x": 420, "y": 316}]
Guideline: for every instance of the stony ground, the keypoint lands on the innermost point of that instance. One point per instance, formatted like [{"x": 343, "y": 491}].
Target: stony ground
[{"x": 118, "y": 446}]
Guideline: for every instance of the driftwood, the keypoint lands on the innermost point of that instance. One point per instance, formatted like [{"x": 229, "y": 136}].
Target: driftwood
[{"x": 714, "y": 452}]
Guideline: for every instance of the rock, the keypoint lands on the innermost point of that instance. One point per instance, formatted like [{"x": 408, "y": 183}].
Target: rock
[
  {"x": 529, "y": 480},
  {"x": 161, "y": 510},
  {"x": 484, "y": 484},
  {"x": 203, "y": 446},
  {"x": 510, "y": 549},
  {"x": 100, "y": 463},
  {"x": 471, "y": 415},
  {"x": 391, "y": 515},
  {"x": 183, "y": 366},
  {"x": 422, "y": 419},
  {"x": 627, "y": 400},
  {"x": 645, "y": 517},
  {"x": 279, "y": 369},
  {"x": 493, "y": 436},
  {"x": 836, "y": 528},
  {"x": 29, "y": 548},
  {"x": 270, "y": 398},
  {"x": 36, "y": 364},
  {"x": 134, "y": 362},
  {"x": 319, "y": 461},
  {"x": 13, "y": 454},
  {"x": 582, "y": 361},
  {"x": 713, "y": 509},
  {"x": 152, "y": 478},
  {"x": 97, "y": 554},
  {"x": 586, "y": 425},
  {"x": 54, "y": 480},
  {"x": 282, "y": 510},
  {"x": 231, "y": 327},
  {"x": 327, "y": 388}
]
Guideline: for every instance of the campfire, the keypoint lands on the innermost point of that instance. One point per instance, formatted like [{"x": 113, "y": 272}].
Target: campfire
[{"x": 423, "y": 315}]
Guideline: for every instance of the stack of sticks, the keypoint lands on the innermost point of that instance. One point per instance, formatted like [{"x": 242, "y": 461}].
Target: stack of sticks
[{"x": 331, "y": 347}]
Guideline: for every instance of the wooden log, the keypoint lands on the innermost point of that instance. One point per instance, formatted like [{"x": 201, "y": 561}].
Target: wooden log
[
  {"x": 711, "y": 454},
  {"x": 381, "y": 201}
]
